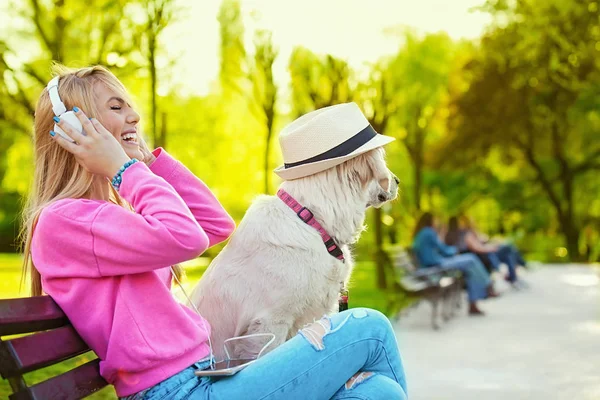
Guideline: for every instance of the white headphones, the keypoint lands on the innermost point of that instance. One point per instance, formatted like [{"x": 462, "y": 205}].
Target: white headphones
[{"x": 59, "y": 109}]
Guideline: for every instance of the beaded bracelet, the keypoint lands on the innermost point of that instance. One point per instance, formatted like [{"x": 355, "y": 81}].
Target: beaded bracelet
[{"x": 116, "y": 181}]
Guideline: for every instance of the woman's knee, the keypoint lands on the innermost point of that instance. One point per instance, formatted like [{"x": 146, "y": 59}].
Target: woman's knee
[
  {"x": 367, "y": 313},
  {"x": 361, "y": 316},
  {"x": 373, "y": 319},
  {"x": 362, "y": 320}
]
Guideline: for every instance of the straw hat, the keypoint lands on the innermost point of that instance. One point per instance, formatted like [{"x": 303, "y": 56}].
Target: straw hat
[{"x": 325, "y": 138}]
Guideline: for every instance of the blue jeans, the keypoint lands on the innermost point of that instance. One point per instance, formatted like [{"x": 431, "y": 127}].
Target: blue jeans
[
  {"x": 357, "y": 358},
  {"x": 506, "y": 255},
  {"x": 476, "y": 276},
  {"x": 516, "y": 254}
]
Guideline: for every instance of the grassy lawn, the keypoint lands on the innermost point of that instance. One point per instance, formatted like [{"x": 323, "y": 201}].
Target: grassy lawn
[{"x": 362, "y": 294}]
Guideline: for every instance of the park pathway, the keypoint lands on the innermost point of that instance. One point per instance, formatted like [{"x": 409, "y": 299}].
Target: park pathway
[{"x": 538, "y": 344}]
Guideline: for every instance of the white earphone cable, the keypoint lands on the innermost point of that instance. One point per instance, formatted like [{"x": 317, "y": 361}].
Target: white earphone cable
[{"x": 212, "y": 358}]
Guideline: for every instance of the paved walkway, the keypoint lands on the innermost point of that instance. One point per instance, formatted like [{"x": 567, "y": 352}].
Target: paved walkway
[{"x": 543, "y": 343}]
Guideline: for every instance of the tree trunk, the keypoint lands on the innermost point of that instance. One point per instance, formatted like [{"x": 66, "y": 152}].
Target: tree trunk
[
  {"x": 270, "y": 118},
  {"x": 418, "y": 159},
  {"x": 417, "y": 188},
  {"x": 267, "y": 172},
  {"x": 162, "y": 138},
  {"x": 566, "y": 217},
  {"x": 152, "y": 61},
  {"x": 571, "y": 234},
  {"x": 571, "y": 229},
  {"x": 60, "y": 24},
  {"x": 380, "y": 257},
  {"x": 393, "y": 234}
]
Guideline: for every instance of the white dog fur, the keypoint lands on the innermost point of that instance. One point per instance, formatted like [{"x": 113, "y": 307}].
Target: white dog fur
[{"x": 275, "y": 275}]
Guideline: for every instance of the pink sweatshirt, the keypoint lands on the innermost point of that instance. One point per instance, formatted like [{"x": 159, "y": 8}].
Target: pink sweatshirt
[{"x": 107, "y": 268}]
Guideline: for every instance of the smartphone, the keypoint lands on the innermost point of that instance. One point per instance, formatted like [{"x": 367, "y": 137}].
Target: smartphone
[{"x": 226, "y": 368}]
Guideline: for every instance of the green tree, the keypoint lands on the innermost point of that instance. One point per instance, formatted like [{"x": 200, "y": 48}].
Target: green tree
[
  {"x": 233, "y": 70},
  {"x": 264, "y": 92},
  {"x": 249, "y": 77},
  {"x": 159, "y": 14},
  {"x": 72, "y": 33},
  {"x": 378, "y": 97},
  {"x": 422, "y": 67},
  {"x": 533, "y": 96},
  {"x": 65, "y": 31},
  {"x": 317, "y": 81}
]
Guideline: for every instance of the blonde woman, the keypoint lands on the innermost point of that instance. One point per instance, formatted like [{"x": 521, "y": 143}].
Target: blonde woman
[{"x": 102, "y": 229}]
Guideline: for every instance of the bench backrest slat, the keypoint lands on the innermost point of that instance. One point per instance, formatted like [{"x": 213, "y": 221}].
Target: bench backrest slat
[
  {"x": 75, "y": 384},
  {"x": 42, "y": 349},
  {"x": 401, "y": 259},
  {"x": 52, "y": 339},
  {"x": 30, "y": 315}
]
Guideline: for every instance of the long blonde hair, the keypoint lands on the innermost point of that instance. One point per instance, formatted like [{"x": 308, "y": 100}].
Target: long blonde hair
[{"x": 57, "y": 174}]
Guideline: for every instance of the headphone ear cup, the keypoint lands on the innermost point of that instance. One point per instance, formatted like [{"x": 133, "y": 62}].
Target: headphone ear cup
[{"x": 72, "y": 120}]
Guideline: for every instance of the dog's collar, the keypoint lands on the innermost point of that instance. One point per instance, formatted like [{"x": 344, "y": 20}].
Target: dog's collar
[{"x": 307, "y": 217}]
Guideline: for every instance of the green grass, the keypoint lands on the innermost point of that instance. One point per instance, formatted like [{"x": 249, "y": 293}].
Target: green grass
[
  {"x": 363, "y": 293},
  {"x": 10, "y": 275}
]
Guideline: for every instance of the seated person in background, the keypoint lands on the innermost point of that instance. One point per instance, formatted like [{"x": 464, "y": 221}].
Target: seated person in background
[
  {"x": 456, "y": 236},
  {"x": 430, "y": 252},
  {"x": 508, "y": 243},
  {"x": 518, "y": 256},
  {"x": 493, "y": 254}
]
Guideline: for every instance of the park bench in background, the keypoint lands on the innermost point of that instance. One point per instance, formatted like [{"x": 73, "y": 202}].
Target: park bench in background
[
  {"x": 50, "y": 339},
  {"x": 432, "y": 284}
]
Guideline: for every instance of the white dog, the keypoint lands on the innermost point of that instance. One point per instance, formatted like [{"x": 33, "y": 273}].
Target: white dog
[{"x": 276, "y": 274}]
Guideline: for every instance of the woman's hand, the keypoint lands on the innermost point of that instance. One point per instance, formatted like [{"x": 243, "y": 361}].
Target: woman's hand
[
  {"x": 148, "y": 156},
  {"x": 96, "y": 149}
]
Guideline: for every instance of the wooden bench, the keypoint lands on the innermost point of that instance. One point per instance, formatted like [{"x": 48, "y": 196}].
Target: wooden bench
[
  {"x": 432, "y": 284},
  {"x": 50, "y": 339}
]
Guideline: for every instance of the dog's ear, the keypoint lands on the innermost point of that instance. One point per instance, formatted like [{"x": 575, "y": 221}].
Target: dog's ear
[{"x": 371, "y": 166}]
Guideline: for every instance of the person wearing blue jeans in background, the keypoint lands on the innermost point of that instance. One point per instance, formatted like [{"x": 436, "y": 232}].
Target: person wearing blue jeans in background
[
  {"x": 431, "y": 252},
  {"x": 518, "y": 256},
  {"x": 466, "y": 240},
  {"x": 494, "y": 254},
  {"x": 510, "y": 255}
]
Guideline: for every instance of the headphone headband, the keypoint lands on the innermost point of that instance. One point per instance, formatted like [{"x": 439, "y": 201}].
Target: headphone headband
[{"x": 57, "y": 105}]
